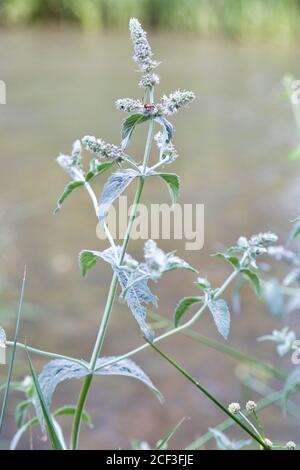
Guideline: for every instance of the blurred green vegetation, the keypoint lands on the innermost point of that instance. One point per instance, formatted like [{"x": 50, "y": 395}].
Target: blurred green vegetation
[{"x": 235, "y": 18}]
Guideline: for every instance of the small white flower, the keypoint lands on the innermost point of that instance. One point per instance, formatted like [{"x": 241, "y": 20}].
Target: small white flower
[
  {"x": 234, "y": 408},
  {"x": 290, "y": 445},
  {"x": 284, "y": 339},
  {"x": 269, "y": 443},
  {"x": 243, "y": 242},
  {"x": 251, "y": 406},
  {"x": 149, "y": 80}
]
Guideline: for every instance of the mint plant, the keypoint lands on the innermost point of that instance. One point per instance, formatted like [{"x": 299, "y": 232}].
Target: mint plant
[{"x": 135, "y": 280}]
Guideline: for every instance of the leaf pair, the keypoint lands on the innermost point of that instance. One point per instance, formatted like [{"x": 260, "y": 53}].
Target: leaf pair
[{"x": 132, "y": 121}]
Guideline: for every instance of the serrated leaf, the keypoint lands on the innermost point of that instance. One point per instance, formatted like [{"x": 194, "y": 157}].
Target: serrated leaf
[
  {"x": 221, "y": 315},
  {"x": 173, "y": 182},
  {"x": 183, "y": 305},
  {"x": 174, "y": 262},
  {"x": 168, "y": 127},
  {"x": 253, "y": 278},
  {"x": 292, "y": 383},
  {"x": 66, "y": 192},
  {"x": 128, "y": 368},
  {"x": 136, "y": 296},
  {"x": 98, "y": 170},
  {"x": 223, "y": 443},
  {"x": 233, "y": 260},
  {"x": 129, "y": 125},
  {"x": 113, "y": 188}
]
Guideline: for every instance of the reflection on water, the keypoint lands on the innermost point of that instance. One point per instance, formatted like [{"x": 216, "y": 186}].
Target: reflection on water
[{"x": 233, "y": 144}]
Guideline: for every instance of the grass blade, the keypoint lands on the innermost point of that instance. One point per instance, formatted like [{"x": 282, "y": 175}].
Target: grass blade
[
  {"x": 52, "y": 431},
  {"x": 4, "y": 404},
  {"x": 208, "y": 395}
]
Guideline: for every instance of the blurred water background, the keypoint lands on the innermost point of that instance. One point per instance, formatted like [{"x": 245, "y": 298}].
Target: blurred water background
[{"x": 233, "y": 144}]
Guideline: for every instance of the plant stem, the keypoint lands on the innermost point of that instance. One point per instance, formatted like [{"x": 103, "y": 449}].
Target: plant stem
[
  {"x": 177, "y": 330},
  {"x": 111, "y": 296}
]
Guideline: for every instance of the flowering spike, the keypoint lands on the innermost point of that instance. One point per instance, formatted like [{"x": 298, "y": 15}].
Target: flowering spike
[
  {"x": 176, "y": 100},
  {"x": 142, "y": 50}
]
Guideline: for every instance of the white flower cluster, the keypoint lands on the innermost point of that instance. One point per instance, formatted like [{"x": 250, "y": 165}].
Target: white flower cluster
[
  {"x": 143, "y": 54},
  {"x": 251, "y": 406},
  {"x": 130, "y": 105},
  {"x": 167, "y": 150},
  {"x": 257, "y": 243},
  {"x": 156, "y": 260},
  {"x": 101, "y": 148},
  {"x": 178, "y": 99},
  {"x": 290, "y": 445}
]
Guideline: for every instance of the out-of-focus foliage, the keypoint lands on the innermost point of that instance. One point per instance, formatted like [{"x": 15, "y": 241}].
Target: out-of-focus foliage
[{"x": 236, "y": 18}]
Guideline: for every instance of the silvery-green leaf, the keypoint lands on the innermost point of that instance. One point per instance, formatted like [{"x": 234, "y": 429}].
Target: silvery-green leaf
[
  {"x": 221, "y": 316},
  {"x": 129, "y": 125},
  {"x": 223, "y": 443},
  {"x": 88, "y": 258},
  {"x": 173, "y": 182},
  {"x": 113, "y": 188},
  {"x": 128, "y": 368},
  {"x": 66, "y": 192},
  {"x": 2, "y": 336},
  {"x": 183, "y": 306},
  {"x": 292, "y": 384},
  {"x": 136, "y": 296},
  {"x": 295, "y": 231},
  {"x": 274, "y": 298}
]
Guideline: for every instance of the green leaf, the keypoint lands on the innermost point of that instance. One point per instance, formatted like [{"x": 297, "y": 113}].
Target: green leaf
[
  {"x": 183, "y": 306},
  {"x": 129, "y": 125},
  {"x": 253, "y": 278},
  {"x": 294, "y": 233},
  {"x": 163, "y": 442},
  {"x": 295, "y": 153},
  {"x": 66, "y": 192},
  {"x": 221, "y": 315},
  {"x": 233, "y": 260},
  {"x": 98, "y": 170},
  {"x": 173, "y": 183},
  {"x": 11, "y": 364},
  {"x": 52, "y": 431}
]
